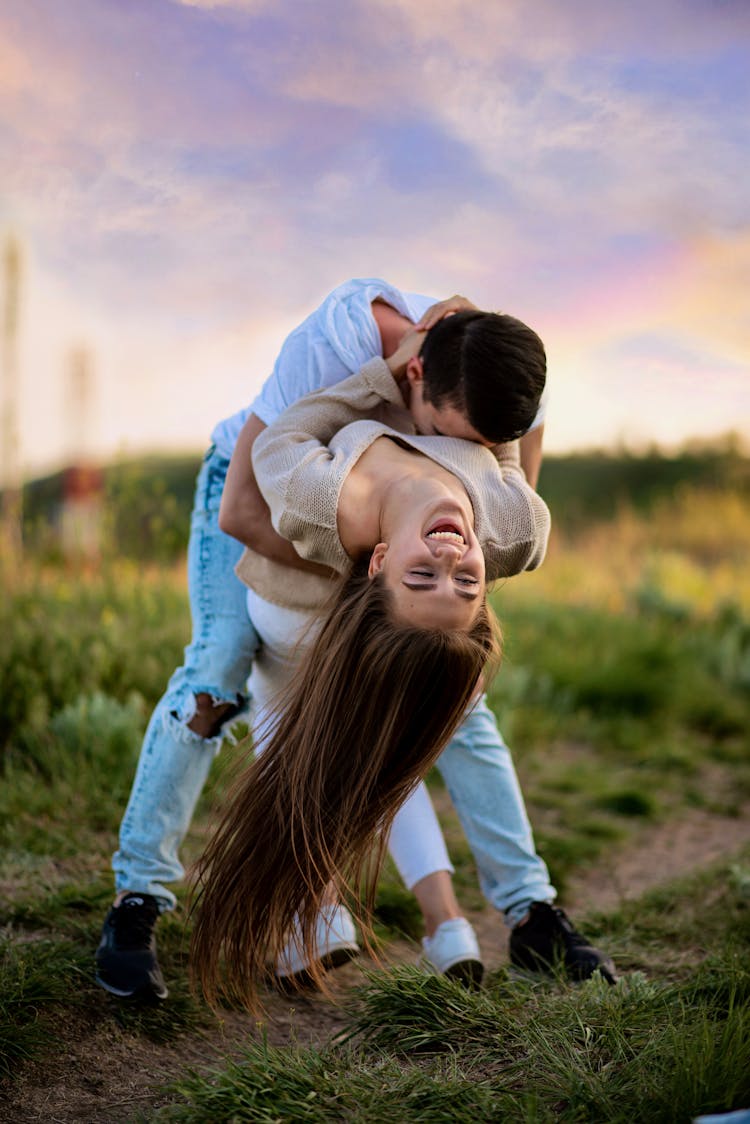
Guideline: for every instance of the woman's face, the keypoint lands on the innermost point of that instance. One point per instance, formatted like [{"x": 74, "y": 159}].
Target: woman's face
[{"x": 434, "y": 567}]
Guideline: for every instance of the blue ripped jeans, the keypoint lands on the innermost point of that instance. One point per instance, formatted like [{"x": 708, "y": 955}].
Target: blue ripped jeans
[{"x": 175, "y": 761}]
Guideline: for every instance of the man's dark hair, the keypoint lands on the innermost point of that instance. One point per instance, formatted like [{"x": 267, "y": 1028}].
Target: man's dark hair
[{"x": 489, "y": 366}]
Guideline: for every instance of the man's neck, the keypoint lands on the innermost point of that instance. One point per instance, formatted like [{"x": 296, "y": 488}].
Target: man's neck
[{"x": 391, "y": 325}]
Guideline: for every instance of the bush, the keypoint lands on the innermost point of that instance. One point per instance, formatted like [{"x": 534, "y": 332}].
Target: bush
[{"x": 116, "y": 634}]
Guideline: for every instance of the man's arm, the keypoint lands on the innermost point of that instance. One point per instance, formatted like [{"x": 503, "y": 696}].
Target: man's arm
[
  {"x": 245, "y": 515},
  {"x": 531, "y": 454}
]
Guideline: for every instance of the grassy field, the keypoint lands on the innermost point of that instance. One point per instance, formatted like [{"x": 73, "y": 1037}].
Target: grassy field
[{"x": 624, "y": 694}]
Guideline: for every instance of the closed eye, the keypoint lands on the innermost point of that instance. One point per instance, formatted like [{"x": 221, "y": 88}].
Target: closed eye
[
  {"x": 470, "y": 591},
  {"x": 468, "y": 588}
]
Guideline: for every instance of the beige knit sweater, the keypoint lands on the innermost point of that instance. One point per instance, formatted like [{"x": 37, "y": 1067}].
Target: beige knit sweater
[{"x": 303, "y": 458}]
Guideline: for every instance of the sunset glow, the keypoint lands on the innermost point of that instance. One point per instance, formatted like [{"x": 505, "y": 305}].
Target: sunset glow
[{"x": 187, "y": 180}]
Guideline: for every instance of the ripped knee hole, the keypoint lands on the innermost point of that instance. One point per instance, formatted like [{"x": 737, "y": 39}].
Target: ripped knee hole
[{"x": 210, "y": 715}]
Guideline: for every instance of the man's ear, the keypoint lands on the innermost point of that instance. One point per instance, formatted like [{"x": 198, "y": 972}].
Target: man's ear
[
  {"x": 415, "y": 372},
  {"x": 376, "y": 559}
]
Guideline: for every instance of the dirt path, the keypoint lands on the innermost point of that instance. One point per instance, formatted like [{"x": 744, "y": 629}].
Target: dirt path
[
  {"x": 659, "y": 854},
  {"x": 106, "y": 1074}
]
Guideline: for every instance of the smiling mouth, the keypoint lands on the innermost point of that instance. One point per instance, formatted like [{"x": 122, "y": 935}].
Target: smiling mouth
[{"x": 445, "y": 531}]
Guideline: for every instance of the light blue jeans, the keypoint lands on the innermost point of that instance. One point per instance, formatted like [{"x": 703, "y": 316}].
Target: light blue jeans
[
  {"x": 174, "y": 761},
  {"x": 479, "y": 774}
]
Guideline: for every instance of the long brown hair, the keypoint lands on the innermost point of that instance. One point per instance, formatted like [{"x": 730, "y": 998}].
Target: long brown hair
[{"x": 367, "y": 712}]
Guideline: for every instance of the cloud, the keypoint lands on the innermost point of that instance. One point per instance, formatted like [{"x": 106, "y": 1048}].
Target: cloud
[
  {"x": 181, "y": 167},
  {"x": 546, "y": 31},
  {"x": 170, "y": 177},
  {"x": 245, "y": 6}
]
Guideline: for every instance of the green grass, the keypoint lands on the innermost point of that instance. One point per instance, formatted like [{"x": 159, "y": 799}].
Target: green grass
[
  {"x": 34, "y": 977},
  {"x": 46, "y": 967},
  {"x": 270, "y": 1085},
  {"x": 663, "y": 1045},
  {"x": 624, "y": 697}
]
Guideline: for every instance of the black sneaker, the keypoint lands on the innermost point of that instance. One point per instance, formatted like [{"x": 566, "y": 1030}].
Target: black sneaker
[
  {"x": 547, "y": 938},
  {"x": 126, "y": 963}
]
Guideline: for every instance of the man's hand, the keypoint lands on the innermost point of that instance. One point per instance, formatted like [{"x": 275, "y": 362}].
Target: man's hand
[{"x": 445, "y": 308}]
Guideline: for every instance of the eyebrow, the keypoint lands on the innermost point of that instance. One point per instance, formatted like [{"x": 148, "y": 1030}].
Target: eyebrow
[{"x": 433, "y": 585}]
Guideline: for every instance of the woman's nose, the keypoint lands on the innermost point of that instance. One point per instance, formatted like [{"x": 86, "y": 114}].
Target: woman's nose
[{"x": 449, "y": 551}]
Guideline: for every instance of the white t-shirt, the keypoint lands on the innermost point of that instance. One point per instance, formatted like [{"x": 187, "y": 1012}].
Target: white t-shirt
[{"x": 333, "y": 342}]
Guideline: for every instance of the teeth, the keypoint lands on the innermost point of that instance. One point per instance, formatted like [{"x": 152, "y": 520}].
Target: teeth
[{"x": 448, "y": 536}]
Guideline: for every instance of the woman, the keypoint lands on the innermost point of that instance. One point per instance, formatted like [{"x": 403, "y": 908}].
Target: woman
[{"x": 390, "y": 673}]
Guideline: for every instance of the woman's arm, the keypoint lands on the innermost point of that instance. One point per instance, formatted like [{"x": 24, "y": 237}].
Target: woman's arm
[
  {"x": 244, "y": 513},
  {"x": 517, "y": 522},
  {"x": 300, "y": 476},
  {"x": 512, "y": 519}
]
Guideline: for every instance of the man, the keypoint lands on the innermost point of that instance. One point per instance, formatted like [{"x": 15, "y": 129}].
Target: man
[{"x": 492, "y": 398}]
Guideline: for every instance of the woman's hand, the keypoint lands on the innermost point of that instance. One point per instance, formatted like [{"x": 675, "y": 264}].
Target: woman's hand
[
  {"x": 411, "y": 344},
  {"x": 445, "y": 308}
]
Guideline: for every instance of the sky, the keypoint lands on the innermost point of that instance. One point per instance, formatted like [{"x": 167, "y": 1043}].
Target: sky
[{"x": 187, "y": 179}]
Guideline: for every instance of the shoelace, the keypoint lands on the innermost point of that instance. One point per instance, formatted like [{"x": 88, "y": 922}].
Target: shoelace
[
  {"x": 570, "y": 935},
  {"x": 133, "y": 922}
]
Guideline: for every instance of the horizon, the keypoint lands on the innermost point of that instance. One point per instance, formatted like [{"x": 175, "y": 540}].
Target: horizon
[{"x": 729, "y": 444}]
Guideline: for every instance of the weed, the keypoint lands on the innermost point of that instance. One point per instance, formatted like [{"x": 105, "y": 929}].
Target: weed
[{"x": 33, "y": 975}]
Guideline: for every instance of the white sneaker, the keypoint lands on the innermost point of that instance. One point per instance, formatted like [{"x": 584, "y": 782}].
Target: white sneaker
[
  {"x": 335, "y": 939},
  {"x": 453, "y": 950}
]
